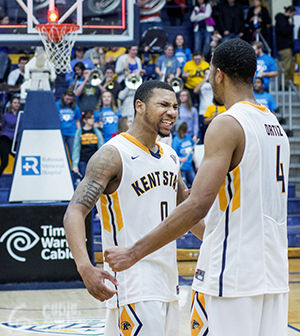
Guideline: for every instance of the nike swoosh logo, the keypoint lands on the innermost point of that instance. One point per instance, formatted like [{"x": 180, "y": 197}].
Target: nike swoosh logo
[{"x": 134, "y": 157}]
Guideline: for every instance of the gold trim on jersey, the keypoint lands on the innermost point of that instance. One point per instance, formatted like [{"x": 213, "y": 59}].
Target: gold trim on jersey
[
  {"x": 236, "y": 199},
  {"x": 222, "y": 198},
  {"x": 116, "y": 211},
  {"x": 104, "y": 212},
  {"x": 140, "y": 145},
  {"x": 258, "y": 106}
]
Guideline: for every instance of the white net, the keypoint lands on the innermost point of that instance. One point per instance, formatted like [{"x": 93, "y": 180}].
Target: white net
[{"x": 58, "y": 40}]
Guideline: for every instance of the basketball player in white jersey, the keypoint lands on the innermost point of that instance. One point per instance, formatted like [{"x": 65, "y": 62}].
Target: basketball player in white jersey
[
  {"x": 241, "y": 280},
  {"x": 135, "y": 182}
]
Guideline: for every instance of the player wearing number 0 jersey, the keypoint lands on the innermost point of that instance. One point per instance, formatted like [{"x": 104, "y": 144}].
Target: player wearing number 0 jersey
[{"x": 146, "y": 193}]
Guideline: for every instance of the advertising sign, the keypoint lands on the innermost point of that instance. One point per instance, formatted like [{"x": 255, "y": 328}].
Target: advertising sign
[{"x": 33, "y": 246}]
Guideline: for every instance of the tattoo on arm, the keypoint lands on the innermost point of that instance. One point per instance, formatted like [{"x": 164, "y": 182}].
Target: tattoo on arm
[
  {"x": 101, "y": 170},
  {"x": 90, "y": 195}
]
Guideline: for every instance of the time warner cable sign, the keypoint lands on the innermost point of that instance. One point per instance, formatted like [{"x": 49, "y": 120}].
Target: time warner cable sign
[
  {"x": 33, "y": 246},
  {"x": 20, "y": 239}
]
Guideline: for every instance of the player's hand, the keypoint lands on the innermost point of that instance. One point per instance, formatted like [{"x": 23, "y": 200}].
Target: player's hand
[
  {"x": 119, "y": 259},
  {"x": 93, "y": 278}
]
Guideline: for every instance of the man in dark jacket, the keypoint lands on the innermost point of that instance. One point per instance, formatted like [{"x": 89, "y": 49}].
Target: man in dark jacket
[
  {"x": 285, "y": 40},
  {"x": 231, "y": 20}
]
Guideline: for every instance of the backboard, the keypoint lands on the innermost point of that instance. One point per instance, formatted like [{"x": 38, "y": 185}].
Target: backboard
[{"x": 101, "y": 22}]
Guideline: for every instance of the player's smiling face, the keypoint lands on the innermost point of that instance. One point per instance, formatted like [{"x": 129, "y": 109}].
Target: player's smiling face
[{"x": 161, "y": 111}]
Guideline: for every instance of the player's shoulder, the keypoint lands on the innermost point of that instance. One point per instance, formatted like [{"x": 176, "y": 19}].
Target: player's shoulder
[{"x": 106, "y": 158}]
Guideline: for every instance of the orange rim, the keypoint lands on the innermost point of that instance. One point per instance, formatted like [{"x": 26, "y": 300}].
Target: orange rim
[{"x": 56, "y": 31}]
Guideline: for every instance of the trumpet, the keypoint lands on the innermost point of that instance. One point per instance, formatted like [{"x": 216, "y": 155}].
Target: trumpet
[
  {"x": 96, "y": 77},
  {"x": 177, "y": 84},
  {"x": 110, "y": 85},
  {"x": 133, "y": 81}
]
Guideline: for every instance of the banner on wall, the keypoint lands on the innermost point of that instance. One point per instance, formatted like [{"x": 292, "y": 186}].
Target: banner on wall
[{"x": 41, "y": 172}]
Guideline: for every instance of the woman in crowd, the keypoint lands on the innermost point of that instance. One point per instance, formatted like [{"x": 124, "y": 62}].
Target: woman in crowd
[
  {"x": 9, "y": 122},
  {"x": 183, "y": 145},
  {"x": 77, "y": 79},
  {"x": 203, "y": 25},
  {"x": 88, "y": 139},
  {"x": 69, "y": 115},
  {"x": 182, "y": 53},
  {"x": 258, "y": 20},
  {"x": 108, "y": 115},
  {"x": 188, "y": 114},
  {"x": 128, "y": 63}
]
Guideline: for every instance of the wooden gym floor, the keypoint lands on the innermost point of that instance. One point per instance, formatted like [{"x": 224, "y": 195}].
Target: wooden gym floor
[{"x": 75, "y": 312}]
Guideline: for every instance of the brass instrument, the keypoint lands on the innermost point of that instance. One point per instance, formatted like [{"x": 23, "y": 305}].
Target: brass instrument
[
  {"x": 177, "y": 84},
  {"x": 133, "y": 81},
  {"x": 152, "y": 7},
  {"x": 96, "y": 77},
  {"x": 110, "y": 85}
]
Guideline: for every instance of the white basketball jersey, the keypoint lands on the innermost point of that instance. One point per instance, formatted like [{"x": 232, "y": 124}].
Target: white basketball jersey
[
  {"x": 244, "y": 250},
  {"x": 146, "y": 195}
]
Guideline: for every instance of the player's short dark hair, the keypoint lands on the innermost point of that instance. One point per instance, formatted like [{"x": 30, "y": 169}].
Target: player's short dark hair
[
  {"x": 237, "y": 59},
  {"x": 145, "y": 90}
]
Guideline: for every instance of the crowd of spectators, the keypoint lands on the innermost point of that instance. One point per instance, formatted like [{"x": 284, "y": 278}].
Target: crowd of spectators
[{"x": 97, "y": 95}]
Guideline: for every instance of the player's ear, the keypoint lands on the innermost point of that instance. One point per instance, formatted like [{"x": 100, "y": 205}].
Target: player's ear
[
  {"x": 139, "y": 107},
  {"x": 219, "y": 75}
]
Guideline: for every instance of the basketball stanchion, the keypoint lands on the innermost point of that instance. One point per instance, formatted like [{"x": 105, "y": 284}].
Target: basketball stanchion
[{"x": 58, "y": 40}]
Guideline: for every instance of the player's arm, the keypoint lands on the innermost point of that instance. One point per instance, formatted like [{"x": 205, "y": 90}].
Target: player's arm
[
  {"x": 182, "y": 194},
  {"x": 182, "y": 190},
  {"x": 198, "y": 229},
  {"x": 222, "y": 139},
  {"x": 103, "y": 167}
]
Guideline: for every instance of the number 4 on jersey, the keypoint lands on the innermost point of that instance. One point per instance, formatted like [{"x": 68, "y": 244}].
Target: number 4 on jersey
[{"x": 279, "y": 170}]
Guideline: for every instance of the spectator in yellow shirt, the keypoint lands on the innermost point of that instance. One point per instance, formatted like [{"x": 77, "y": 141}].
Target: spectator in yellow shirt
[
  {"x": 193, "y": 73},
  {"x": 212, "y": 111},
  {"x": 112, "y": 54}
]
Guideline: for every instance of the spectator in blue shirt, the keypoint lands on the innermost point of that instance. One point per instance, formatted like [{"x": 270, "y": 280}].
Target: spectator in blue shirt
[
  {"x": 108, "y": 115},
  {"x": 69, "y": 115},
  {"x": 266, "y": 65},
  {"x": 183, "y": 146},
  {"x": 263, "y": 97},
  {"x": 167, "y": 63},
  {"x": 79, "y": 57},
  {"x": 182, "y": 53}
]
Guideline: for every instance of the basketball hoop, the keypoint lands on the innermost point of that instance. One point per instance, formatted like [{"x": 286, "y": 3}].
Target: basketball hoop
[{"x": 58, "y": 40}]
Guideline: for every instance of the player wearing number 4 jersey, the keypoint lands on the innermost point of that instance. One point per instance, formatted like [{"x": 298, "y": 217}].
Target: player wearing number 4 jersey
[
  {"x": 135, "y": 182},
  {"x": 241, "y": 279}
]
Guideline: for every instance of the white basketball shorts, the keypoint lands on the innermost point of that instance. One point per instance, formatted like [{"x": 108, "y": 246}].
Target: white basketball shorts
[
  {"x": 258, "y": 315},
  {"x": 145, "y": 318}
]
